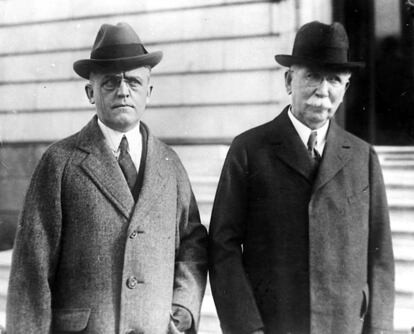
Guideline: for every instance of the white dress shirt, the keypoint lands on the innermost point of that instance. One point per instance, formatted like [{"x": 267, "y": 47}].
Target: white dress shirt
[
  {"x": 113, "y": 139},
  {"x": 304, "y": 133}
]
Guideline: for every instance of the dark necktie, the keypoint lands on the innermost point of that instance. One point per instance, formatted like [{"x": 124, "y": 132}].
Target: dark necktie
[
  {"x": 126, "y": 164},
  {"x": 313, "y": 153}
]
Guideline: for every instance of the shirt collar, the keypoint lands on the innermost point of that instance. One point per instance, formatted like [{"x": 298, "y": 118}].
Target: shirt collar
[
  {"x": 113, "y": 138},
  {"x": 304, "y": 132}
]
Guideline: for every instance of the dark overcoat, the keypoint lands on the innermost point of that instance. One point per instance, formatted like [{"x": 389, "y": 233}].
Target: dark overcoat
[
  {"x": 87, "y": 259},
  {"x": 294, "y": 254}
]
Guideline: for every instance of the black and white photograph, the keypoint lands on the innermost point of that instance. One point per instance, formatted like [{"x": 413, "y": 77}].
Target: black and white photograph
[{"x": 207, "y": 166}]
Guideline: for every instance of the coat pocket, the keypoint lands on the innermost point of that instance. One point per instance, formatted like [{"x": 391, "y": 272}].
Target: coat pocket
[
  {"x": 359, "y": 196},
  {"x": 365, "y": 302},
  {"x": 70, "y": 320}
]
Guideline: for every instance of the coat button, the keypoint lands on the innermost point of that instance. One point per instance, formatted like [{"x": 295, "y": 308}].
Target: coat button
[
  {"x": 132, "y": 282},
  {"x": 133, "y": 234}
]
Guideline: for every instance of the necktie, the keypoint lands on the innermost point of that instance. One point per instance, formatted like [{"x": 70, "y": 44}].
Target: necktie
[
  {"x": 126, "y": 164},
  {"x": 313, "y": 153}
]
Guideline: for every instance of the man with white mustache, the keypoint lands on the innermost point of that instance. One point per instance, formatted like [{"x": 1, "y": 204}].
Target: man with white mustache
[
  {"x": 316, "y": 93},
  {"x": 300, "y": 238}
]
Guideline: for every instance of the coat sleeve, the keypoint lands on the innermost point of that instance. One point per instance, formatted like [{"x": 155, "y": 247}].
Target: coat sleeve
[
  {"x": 35, "y": 253},
  {"x": 190, "y": 275},
  {"x": 233, "y": 295},
  {"x": 380, "y": 257}
]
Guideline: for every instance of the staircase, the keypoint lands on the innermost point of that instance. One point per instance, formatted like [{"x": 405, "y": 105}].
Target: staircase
[
  {"x": 398, "y": 170},
  {"x": 204, "y": 163},
  {"x": 5, "y": 259}
]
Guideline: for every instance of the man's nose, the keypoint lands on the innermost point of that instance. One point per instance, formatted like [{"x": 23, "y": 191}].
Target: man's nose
[
  {"x": 123, "y": 89},
  {"x": 323, "y": 88}
]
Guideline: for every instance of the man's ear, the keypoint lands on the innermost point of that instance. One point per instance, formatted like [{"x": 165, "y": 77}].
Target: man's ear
[
  {"x": 149, "y": 92},
  {"x": 288, "y": 81},
  {"x": 89, "y": 93},
  {"x": 347, "y": 85}
]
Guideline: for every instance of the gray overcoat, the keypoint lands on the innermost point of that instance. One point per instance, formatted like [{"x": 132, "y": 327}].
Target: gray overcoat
[
  {"x": 294, "y": 254},
  {"x": 87, "y": 259}
]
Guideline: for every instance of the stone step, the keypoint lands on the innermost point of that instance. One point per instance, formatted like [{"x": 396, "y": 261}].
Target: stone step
[
  {"x": 402, "y": 220},
  {"x": 391, "y": 153},
  {"x": 404, "y": 278},
  {"x": 397, "y": 163},
  {"x": 403, "y": 321},
  {"x": 204, "y": 188},
  {"x": 4, "y": 271},
  {"x": 4, "y": 283},
  {"x": 3, "y": 299},
  {"x": 3, "y": 318},
  {"x": 5, "y": 261},
  {"x": 209, "y": 322},
  {"x": 401, "y": 197},
  {"x": 202, "y": 160},
  {"x": 208, "y": 307},
  {"x": 5, "y": 257},
  {"x": 398, "y": 176},
  {"x": 403, "y": 244},
  {"x": 209, "y": 325}
]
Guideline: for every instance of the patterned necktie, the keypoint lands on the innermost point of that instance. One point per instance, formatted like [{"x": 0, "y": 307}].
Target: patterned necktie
[
  {"x": 126, "y": 164},
  {"x": 313, "y": 153}
]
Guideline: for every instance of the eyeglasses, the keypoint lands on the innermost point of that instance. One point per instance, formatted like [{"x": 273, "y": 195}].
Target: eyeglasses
[
  {"x": 315, "y": 78},
  {"x": 111, "y": 83}
]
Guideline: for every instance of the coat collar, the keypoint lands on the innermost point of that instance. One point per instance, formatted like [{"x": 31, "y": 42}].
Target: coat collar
[
  {"x": 338, "y": 150},
  {"x": 102, "y": 167},
  {"x": 289, "y": 148}
]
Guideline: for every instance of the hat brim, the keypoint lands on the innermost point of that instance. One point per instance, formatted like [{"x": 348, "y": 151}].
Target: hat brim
[
  {"x": 288, "y": 60},
  {"x": 84, "y": 67}
]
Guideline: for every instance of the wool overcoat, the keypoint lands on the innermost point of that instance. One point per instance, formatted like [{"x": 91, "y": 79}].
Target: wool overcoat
[
  {"x": 295, "y": 254},
  {"x": 87, "y": 259}
]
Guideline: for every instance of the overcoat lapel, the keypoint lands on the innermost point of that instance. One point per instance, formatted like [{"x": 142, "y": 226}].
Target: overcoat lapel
[
  {"x": 156, "y": 176},
  {"x": 288, "y": 146},
  {"x": 336, "y": 154},
  {"x": 101, "y": 166}
]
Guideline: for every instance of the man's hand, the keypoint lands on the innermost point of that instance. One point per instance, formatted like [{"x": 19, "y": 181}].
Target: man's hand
[{"x": 181, "y": 317}]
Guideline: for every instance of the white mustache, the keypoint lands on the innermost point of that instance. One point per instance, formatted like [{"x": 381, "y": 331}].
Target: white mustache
[{"x": 318, "y": 102}]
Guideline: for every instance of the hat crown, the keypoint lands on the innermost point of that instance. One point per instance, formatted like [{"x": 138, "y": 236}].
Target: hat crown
[
  {"x": 322, "y": 36},
  {"x": 321, "y": 44},
  {"x": 117, "y": 41},
  {"x": 110, "y": 35}
]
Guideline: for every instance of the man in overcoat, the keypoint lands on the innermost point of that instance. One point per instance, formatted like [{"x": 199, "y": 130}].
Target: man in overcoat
[
  {"x": 300, "y": 238},
  {"x": 110, "y": 239}
]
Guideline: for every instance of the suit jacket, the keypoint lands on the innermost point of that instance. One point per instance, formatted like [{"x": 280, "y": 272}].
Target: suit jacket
[
  {"x": 294, "y": 254},
  {"x": 88, "y": 259}
]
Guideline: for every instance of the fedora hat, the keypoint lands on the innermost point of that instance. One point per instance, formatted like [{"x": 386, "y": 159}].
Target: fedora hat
[
  {"x": 116, "y": 47},
  {"x": 320, "y": 44}
]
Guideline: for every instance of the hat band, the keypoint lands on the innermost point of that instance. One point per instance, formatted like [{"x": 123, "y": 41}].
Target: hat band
[
  {"x": 325, "y": 55},
  {"x": 118, "y": 51}
]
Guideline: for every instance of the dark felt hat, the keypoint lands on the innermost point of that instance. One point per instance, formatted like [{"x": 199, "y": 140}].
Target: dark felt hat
[
  {"x": 320, "y": 44},
  {"x": 116, "y": 47}
]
